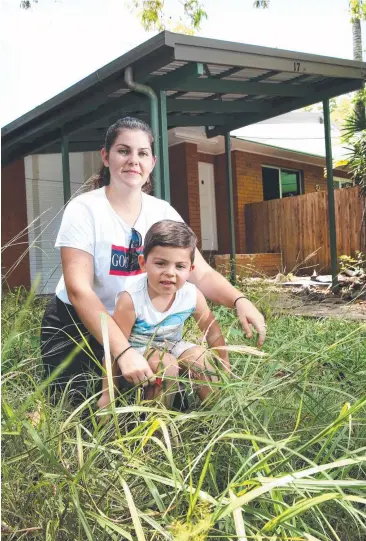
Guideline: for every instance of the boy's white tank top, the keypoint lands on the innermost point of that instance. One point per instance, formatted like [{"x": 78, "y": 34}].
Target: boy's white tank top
[{"x": 154, "y": 328}]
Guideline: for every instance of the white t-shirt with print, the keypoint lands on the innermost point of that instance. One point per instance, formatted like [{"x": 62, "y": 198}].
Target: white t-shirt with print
[
  {"x": 90, "y": 224},
  {"x": 153, "y": 328}
]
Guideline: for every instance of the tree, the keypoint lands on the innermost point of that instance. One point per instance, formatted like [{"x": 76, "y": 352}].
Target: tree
[
  {"x": 354, "y": 135},
  {"x": 152, "y": 14},
  {"x": 358, "y": 13}
]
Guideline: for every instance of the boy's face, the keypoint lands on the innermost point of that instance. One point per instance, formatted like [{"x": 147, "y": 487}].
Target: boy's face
[{"x": 167, "y": 268}]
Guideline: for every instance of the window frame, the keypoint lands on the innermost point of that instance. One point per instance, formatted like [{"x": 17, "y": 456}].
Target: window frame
[
  {"x": 279, "y": 169},
  {"x": 342, "y": 182}
]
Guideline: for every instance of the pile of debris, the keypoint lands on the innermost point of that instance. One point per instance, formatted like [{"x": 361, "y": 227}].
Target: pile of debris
[{"x": 351, "y": 284}]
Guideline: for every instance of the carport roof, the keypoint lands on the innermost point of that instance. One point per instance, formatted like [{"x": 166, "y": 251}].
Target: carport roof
[{"x": 217, "y": 84}]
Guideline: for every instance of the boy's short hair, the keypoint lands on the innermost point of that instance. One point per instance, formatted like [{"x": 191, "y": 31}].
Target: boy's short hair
[{"x": 170, "y": 233}]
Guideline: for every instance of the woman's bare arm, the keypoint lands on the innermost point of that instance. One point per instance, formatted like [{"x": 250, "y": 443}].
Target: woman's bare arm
[
  {"x": 78, "y": 269},
  {"x": 210, "y": 328},
  {"x": 216, "y": 288},
  {"x": 124, "y": 315}
]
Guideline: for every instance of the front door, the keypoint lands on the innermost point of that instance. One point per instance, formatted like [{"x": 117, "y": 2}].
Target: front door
[{"x": 207, "y": 206}]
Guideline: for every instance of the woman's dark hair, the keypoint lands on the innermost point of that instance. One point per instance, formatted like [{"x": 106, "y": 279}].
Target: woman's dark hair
[
  {"x": 170, "y": 233},
  {"x": 127, "y": 123}
]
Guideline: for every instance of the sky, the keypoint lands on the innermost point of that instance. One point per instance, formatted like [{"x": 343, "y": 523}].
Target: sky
[{"x": 58, "y": 42}]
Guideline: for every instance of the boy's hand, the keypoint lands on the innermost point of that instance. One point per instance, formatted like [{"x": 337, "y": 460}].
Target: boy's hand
[
  {"x": 104, "y": 401},
  {"x": 249, "y": 315},
  {"x": 225, "y": 361},
  {"x": 135, "y": 368}
]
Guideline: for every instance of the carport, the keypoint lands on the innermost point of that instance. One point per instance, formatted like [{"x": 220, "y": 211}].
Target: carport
[{"x": 177, "y": 80}]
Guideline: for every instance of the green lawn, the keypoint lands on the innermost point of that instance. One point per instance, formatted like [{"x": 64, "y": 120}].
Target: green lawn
[{"x": 277, "y": 455}]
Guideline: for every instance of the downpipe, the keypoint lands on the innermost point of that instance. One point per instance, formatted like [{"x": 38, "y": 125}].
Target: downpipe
[{"x": 154, "y": 122}]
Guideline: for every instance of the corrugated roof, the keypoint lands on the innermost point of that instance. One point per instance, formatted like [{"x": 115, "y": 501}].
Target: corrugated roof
[{"x": 235, "y": 84}]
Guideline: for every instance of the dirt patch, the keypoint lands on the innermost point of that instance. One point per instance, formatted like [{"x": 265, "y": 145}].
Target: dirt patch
[{"x": 318, "y": 303}]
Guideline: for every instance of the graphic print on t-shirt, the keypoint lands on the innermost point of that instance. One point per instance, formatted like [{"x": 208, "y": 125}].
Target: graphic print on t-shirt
[{"x": 124, "y": 261}]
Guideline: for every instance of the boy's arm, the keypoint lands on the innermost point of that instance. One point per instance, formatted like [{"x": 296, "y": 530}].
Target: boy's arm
[
  {"x": 211, "y": 329},
  {"x": 124, "y": 315}
]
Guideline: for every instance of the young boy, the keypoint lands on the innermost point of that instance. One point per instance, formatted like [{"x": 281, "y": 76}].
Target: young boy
[{"x": 151, "y": 313}]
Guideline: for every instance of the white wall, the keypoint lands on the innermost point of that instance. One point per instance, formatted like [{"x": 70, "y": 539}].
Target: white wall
[{"x": 44, "y": 189}]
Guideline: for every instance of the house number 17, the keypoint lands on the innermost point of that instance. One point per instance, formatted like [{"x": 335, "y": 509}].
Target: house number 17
[{"x": 296, "y": 66}]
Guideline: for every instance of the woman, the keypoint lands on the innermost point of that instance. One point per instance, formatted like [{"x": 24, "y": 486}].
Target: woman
[{"x": 100, "y": 237}]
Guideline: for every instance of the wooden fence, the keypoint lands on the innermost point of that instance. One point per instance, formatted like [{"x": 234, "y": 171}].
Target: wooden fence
[{"x": 298, "y": 226}]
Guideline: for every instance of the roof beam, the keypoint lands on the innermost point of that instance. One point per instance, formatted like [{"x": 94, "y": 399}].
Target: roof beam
[
  {"x": 316, "y": 96},
  {"x": 31, "y": 141},
  {"x": 100, "y": 96},
  {"x": 223, "y": 86},
  {"x": 92, "y": 90},
  {"x": 53, "y": 126},
  {"x": 257, "y": 79},
  {"x": 264, "y": 76},
  {"x": 216, "y": 106},
  {"x": 74, "y": 146},
  {"x": 211, "y": 51},
  {"x": 200, "y": 120},
  {"x": 192, "y": 70}
]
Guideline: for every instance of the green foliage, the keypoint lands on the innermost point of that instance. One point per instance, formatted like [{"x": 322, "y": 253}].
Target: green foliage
[
  {"x": 153, "y": 16},
  {"x": 20, "y": 325},
  {"x": 357, "y": 10},
  {"x": 258, "y": 4},
  {"x": 354, "y": 134},
  {"x": 27, "y": 4},
  {"x": 356, "y": 264},
  {"x": 277, "y": 454}
]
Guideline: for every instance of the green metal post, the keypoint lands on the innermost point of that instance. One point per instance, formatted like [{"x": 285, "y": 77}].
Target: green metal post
[
  {"x": 164, "y": 150},
  {"x": 154, "y": 121},
  {"x": 229, "y": 184},
  {"x": 65, "y": 168},
  {"x": 330, "y": 185}
]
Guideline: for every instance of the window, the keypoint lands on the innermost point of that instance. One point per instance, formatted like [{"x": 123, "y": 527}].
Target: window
[
  {"x": 340, "y": 182},
  {"x": 279, "y": 182}
]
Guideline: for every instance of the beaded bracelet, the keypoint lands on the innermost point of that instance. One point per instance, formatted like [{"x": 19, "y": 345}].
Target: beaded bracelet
[
  {"x": 122, "y": 353},
  {"x": 236, "y": 300}
]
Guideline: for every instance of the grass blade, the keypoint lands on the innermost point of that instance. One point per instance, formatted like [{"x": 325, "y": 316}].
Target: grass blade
[{"x": 134, "y": 514}]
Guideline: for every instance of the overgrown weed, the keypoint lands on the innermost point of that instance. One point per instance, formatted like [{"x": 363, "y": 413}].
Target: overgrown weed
[{"x": 278, "y": 455}]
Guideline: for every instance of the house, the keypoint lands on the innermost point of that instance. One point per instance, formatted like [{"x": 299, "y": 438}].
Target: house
[
  {"x": 198, "y": 192},
  {"x": 196, "y": 82}
]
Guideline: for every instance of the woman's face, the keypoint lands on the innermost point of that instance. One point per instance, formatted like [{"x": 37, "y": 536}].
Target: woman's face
[{"x": 130, "y": 159}]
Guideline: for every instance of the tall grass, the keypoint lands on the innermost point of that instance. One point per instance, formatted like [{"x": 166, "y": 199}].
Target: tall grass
[{"x": 277, "y": 455}]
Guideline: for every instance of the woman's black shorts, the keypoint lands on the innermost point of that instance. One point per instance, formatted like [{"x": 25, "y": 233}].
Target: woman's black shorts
[{"x": 61, "y": 330}]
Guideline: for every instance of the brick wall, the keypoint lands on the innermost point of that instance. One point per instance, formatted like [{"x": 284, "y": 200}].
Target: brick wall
[
  {"x": 184, "y": 186},
  {"x": 251, "y": 264},
  {"x": 193, "y": 190},
  {"x": 222, "y": 215},
  {"x": 183, "y": 161},
  {"x": 178, "y": 184},
  {"x": 247, "y": 187},
  {"x": 206, "y": 158},
  {"x": 13, "y": 221}
]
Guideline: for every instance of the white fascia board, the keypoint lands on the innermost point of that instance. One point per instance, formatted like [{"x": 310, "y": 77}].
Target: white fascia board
[{"x": 216, "y": 146}]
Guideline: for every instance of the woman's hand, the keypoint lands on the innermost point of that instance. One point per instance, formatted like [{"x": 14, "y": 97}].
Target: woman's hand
[
  {"x": 135, "y": 368},
  {"x": 216, "y": 288},
  {"x": 249, "y": 315}
]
